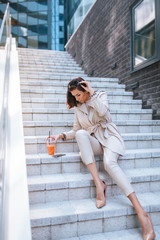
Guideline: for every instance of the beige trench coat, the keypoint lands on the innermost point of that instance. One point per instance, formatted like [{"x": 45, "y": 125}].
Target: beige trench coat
[{"x": 97, "y": 121}]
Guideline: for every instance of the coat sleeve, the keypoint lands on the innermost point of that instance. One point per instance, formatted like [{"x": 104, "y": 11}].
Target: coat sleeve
[
  {"x": 76, "y": 126},
  {"x": 100, "y": 103}
]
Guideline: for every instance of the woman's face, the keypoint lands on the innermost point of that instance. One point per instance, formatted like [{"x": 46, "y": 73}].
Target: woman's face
[{"x": 80, "y": 96}]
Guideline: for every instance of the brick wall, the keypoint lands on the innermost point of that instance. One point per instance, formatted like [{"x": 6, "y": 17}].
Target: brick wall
[{"x": 101, "y": 46}]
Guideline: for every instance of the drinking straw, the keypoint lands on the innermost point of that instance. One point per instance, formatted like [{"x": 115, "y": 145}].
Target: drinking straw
[{"x": 49, "y": 137}]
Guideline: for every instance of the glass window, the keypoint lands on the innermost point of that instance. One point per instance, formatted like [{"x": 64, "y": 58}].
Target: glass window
[
  {"x": 43, "y": 42},
  {"x": 22, "y": 17},
  {"x": 32, "y": 18},
  {"x": 61, "y": 40},
  {"x": 43, "y": 17},
  {"x": 61, "y": 2},
  {"x": 43, "y": 38},
  {"x": 33, "y": 42},
  {"x": 13, "y": 8},
  {"x": 3, "y": 8},
  {"x": 32, "y": 30},
  {"x": 14, "y": 30},
  {"x": 42, "y": 5},
  {"x": 61, "y": 47},
  {"x": 22, "y": 42},
  {"x": 61, "y": 17},
  {"x": 61, "y": 9},
  {"x": 3, "y": 40},
  {"x": 32, "y": 6},
  {"x": 61, "y": 28},
  {"x": 22, "y": 7},
  {"x": 80, "y": 9},
  {"x": 144, "y": 33},
  {"x": 42, "y": 45},
  {"x": 43, "y": 29}
]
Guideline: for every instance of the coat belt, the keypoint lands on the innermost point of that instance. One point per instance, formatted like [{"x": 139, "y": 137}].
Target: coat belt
[{"x": 103, "y": 125}]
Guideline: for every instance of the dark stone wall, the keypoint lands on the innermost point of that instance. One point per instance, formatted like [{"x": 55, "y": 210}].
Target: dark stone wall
[{"x": 101, "y": 45}]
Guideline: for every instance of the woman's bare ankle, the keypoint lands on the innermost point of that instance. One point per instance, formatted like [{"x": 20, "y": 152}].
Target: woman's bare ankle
[{"x": 100, "y": 190}]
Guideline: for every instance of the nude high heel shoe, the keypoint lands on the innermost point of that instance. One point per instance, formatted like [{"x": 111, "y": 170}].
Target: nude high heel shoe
[
  {"x": 151, "y": 235},
  {"x": 101, "y": 203}
]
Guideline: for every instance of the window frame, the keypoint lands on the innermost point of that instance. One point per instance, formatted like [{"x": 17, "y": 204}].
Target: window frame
[{"x": 155, "y": 58}]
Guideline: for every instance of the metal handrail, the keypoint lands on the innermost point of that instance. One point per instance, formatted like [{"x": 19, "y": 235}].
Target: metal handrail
[
  {"x": 14, "y": 199},
  {"x": 4, "y": 115}
]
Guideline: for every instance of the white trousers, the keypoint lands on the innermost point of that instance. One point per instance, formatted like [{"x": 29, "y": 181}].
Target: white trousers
[{"x": 90, "y": 146}]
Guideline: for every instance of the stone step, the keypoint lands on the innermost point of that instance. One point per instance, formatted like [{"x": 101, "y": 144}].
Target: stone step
[
  {"x": 59, "y": 78},
  {"x": 57, "y": 94},
  {"x": 61, "y": 190},
  {"x": 129, "y": 234},
  {"x": 61, "y": 103},
  {"x": 49, "y": 114},
  {"x": 30, "y": 51},
  {"x": 74, "y": 186},
  {"x": 44, "y": 164},
  {"x": 38, "y": 128},
  {"x": 44, "y": 55},
  {"x": 75, "y": 218},
  {"x": 36, "y": 144},
  {"x": 46, "y": 67},
  {"x": 63, "y": 86},
  {"x": 42, "y": 76},
  {"x": 43, "y": 61},
  {"x": 52, "y": 84},
  {"x": 34, "y": 62},
  {"x": 49, "y": 71},
  {"x": 41, "y": 58}
]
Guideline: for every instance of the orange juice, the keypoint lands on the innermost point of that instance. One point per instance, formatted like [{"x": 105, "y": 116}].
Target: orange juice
[{"x": 50, "y": 148}]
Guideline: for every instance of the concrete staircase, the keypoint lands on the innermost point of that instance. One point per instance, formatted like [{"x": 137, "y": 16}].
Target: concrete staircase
[{"x": 61, "y": 190}]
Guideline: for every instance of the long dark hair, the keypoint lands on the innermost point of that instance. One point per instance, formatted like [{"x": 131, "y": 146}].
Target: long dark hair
[{"x": 74, "y": 84}]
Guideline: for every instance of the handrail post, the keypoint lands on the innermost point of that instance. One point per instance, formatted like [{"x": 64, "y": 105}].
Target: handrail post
[{"x": 8, "y": 23}]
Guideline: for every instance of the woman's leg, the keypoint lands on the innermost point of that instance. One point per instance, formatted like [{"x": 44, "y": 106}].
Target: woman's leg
[
  {"x": 112, "y": 167},
  {"x": 89, "y": 146},
  {"x": 100, "y": 186},
  {"x": 144, "y": 218}
]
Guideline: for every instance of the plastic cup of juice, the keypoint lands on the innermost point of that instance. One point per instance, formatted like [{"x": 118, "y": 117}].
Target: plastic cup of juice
[{"x": 50, "y": 146}]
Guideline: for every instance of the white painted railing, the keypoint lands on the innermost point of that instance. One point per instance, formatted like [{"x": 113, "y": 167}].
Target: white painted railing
[{"x": 14, "y": 201}]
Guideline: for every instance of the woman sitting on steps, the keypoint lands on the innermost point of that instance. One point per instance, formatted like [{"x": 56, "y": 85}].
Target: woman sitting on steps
[{"x": 97, "y": 134}]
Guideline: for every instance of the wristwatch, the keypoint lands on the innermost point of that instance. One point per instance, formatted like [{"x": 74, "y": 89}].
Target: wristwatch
[{"x": 64, "y": 136}]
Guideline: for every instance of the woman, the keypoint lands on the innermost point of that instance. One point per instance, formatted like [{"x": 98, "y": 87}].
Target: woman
[{"x": 97, "y": 134}]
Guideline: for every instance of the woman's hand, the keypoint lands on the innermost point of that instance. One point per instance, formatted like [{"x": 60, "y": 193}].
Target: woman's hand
[
  {"x": 55, "y": 137},
  {"x": 88, "y": 88}
]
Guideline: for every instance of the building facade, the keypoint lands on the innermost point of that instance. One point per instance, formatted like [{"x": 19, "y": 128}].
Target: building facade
[
  {"x": 37, "y": 24},
  {"x": 121, "y": 39},
  {"x": 45, "y": 24},
  {"x": 56, "y": 25}
]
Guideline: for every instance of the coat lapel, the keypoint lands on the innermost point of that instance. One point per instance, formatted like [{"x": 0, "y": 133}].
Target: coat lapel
[
  {"x": 83, "y": 108},
  {"x": 87, "y": 115},
  {"x": 90, "y": 116}
]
